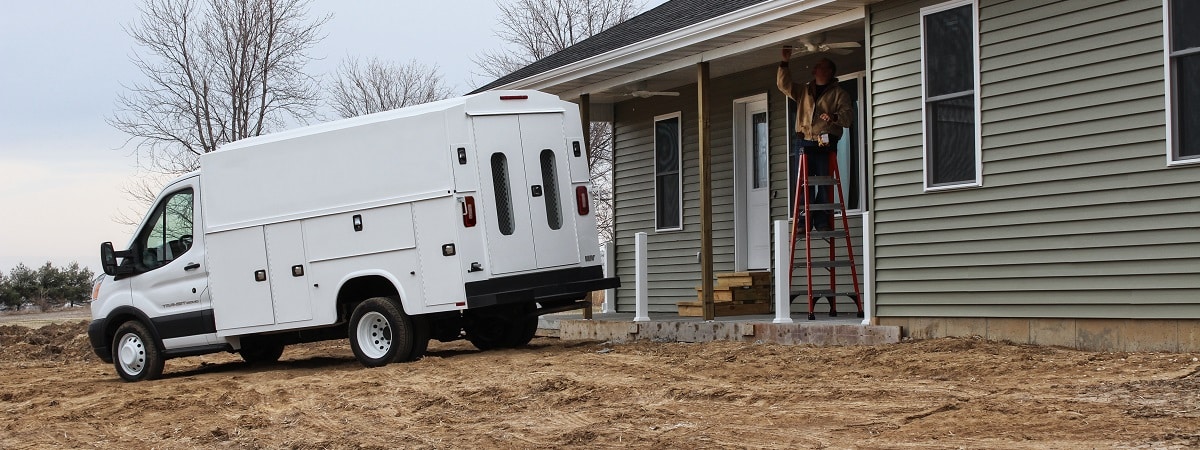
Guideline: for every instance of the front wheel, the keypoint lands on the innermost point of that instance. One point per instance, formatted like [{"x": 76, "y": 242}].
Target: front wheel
[
  {"x": 135, "y": 353},
  {"x": 380, "y": 332}
]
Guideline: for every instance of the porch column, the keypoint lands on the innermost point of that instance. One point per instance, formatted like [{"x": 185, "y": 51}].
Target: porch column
[
  {"x": 585, "y": 117},
  {"x": 706, "y": 250}
]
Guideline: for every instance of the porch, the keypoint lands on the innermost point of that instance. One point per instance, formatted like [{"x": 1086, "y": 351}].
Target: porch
[{"x": 621, "y": 327}]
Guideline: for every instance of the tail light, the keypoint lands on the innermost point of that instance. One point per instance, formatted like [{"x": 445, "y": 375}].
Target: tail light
[
  {"x": 581, "y": 200},
  {"x": 468, "y": 211}
]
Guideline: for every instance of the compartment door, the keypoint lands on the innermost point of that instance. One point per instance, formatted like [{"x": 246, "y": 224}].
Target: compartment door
[
  {"x": 239, "y": 298},
  {"x": 288, "y": 269}
]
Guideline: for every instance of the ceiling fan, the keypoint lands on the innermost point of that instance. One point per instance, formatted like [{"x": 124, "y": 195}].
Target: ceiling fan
[
  {"x": 837, "y": 48},
  {"x": 648, "y": 94}
]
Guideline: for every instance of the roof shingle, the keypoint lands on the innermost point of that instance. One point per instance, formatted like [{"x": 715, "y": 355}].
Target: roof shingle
[{"x": 670, "y": 16}]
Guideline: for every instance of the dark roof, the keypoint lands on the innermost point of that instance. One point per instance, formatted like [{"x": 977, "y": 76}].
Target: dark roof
[{"x": 668, "y": 17}]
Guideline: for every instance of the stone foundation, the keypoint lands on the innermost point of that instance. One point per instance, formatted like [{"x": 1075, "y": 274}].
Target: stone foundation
[{"x": 1110, "y": 335}]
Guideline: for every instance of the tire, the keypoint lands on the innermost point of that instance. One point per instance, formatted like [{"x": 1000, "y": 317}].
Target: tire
[
  {"x": 380, "y": 333},
  {"x": 136, "y": 354},
  {"x": 495, "y": 328},
  {"x": 260, "y": 350}
]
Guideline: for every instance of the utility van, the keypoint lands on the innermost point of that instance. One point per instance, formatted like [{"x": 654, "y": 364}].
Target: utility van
[{"x": 459, "y": 219}]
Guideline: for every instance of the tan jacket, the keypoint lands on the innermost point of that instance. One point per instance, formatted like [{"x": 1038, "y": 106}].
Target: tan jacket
[{"x": 835, "y": 101}]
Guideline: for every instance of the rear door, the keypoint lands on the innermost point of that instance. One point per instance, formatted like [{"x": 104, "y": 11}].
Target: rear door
[{"x": 525, "y": 181}]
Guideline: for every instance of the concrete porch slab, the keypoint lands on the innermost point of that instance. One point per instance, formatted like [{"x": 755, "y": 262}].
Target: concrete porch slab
[{"x": 620, "y": 327}]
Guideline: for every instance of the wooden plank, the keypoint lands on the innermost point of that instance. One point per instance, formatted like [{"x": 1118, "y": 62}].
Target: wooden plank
[{"x": 690, "y": 309}]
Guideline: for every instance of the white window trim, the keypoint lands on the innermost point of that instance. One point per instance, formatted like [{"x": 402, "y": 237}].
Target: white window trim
[
  {"x": 1173, "y": 158},
  {"x": 978, "y": 181},
  {"x": 679, "y": 168},
  {"x": 860, "y": 120}
]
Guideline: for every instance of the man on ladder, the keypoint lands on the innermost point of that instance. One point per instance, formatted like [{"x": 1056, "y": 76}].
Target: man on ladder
[{"x": 823, "y": 110}]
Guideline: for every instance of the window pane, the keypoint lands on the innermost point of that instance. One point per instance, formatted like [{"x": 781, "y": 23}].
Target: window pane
[
  {"x": 762, "y": 165},
  {"x": 550, "y": 186},
  {"x": 1187, "y": 114},
  {"x": 500, "y": 184},
  {"x": 949, "y": 66},
  {"x": 169, "y": 235},
  {"x": 666, "y": 146},
  {"x": 1184, "y": 16},
  {"x": 952, "y": 140},
  {"x": 667, "y": 201}
]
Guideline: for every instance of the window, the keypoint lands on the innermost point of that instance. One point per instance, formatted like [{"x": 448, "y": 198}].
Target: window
[
  {"x": 949, "y": 70},
  {"x": 554, "y": 216},
  {"x": 1183, "y": 79},
  {"x": 850, "y": 151},
  {"x": 668, "y": 182},
  {"x": 503, "y": 194},
  {"x": 762, "y": 153},
  {"x": 168, "y": 234}
]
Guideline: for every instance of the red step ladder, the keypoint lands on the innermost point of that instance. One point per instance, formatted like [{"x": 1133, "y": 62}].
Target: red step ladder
[{"x": 802, "y": 209}]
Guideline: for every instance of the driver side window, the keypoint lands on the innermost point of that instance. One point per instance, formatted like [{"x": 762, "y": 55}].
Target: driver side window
[{"x": 169, "y": 232}]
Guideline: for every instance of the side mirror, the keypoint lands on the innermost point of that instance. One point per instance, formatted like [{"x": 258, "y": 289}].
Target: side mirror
[{"x": 108, "y": 260}]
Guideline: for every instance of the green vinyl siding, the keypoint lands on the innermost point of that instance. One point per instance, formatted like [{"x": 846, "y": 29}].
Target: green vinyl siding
[
  {"x": 1079, "y": 215},
  {"x": 674, "y": 269}
]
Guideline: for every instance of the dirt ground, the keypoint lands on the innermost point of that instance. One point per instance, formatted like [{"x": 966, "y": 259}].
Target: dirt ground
[{"x": 945, "y": 393}]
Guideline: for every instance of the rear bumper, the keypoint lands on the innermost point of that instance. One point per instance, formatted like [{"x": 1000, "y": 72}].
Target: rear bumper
[
  {"x": 99, "y": 341},
  {"x": 562, "y": 284}
]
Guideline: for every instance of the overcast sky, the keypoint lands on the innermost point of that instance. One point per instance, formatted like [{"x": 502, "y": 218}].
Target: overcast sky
[{"x": 62, "y": 167}]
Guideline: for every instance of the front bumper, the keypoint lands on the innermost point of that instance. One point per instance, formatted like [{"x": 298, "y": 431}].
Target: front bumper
[
  {"x": 99, "y": 340},
  {"x": 562, "y": 284}
]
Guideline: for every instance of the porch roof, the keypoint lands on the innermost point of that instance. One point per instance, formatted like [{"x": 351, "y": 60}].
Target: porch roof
[{"x": 658, "y": 49}]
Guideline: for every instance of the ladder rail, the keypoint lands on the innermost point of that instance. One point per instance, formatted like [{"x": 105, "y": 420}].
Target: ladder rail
[{"x": 803, "y": 205}]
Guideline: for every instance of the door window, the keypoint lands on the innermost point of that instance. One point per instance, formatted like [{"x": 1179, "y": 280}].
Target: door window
[
  {"x": 550, "y": 185},
  {"x": 168, "y": 234},
  {"x": 503, "y": 193},
  {"x": 762, "y": 166}
]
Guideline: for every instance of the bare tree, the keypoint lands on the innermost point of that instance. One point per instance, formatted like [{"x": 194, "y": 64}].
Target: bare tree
[
  {"x": 535, "y": 29},
  {"x": 216, "y": 71},
  {"x": 362, "y": 88}
]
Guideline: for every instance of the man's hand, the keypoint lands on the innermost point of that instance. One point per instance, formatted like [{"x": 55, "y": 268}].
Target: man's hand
[
  {"x": 826, "y": 117},
  {"x": 786, "y": 53}
]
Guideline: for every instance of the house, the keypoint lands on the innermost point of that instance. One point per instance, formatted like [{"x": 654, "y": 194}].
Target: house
[{"x": 1029, "y": 171}]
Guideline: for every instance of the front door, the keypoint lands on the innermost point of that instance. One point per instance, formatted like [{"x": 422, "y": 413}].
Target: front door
[
  {"x": 172, "y": 251},
  {"x": 524, "y": 179},
  {"x": 754, "y": 175}
]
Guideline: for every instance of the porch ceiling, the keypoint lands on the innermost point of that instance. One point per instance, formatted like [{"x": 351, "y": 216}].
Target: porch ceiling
[{"x": 739, "y": 41}]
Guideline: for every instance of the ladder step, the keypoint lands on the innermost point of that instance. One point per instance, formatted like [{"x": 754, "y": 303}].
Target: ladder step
[
  {"x": 820, "y": 181},
  {"x": 824, "y": 206},
  {"x": 824, "y": 293},
  {"x": 827, "y": 234},
  {"x": 825, "y": 264}
]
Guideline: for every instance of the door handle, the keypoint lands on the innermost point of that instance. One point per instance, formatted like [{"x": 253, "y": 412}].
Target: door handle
[{"x": 191, "y": 266}]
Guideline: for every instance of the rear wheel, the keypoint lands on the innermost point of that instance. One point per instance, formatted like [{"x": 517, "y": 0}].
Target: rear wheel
[
  {"x": 260, "y": 350},
  {"x": 501, "y": 327},
  {"x": 135, "y": 353},
  {"x": 380, "y": 332}
]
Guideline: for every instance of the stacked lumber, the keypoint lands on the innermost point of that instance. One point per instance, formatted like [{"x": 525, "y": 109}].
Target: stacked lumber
[{"x": 734, "y": 294}]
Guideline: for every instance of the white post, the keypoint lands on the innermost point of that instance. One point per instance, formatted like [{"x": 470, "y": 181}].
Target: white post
[
  {"x": 868, "y": 267},
  {"x": 642, "y": 296},
  {"x": 610, "y": 295},
  {"x": 783, "y": 281}
]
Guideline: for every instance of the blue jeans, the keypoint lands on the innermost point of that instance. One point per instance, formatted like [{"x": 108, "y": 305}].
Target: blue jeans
[{"x": 818, "y": 166}]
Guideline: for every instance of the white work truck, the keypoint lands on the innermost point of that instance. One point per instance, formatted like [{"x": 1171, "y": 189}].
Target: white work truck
[{"x": 463, "y": 218}]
